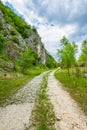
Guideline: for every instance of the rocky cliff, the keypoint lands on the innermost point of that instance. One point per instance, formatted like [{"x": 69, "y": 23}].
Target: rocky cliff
[{"x": 19, "y": 36}]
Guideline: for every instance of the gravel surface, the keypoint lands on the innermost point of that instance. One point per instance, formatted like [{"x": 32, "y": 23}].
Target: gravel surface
[
  {"x": 69, "y": 115},
  {"x": 16, "y": 116},
  {"x": 29, "y": 92}
]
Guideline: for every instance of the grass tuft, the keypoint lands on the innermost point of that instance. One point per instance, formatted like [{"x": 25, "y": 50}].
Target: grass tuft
[{"x": 43, "y": 114}]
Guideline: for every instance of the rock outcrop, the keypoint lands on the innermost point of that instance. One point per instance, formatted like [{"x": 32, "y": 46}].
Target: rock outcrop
[{"x": 19, "y": 36}]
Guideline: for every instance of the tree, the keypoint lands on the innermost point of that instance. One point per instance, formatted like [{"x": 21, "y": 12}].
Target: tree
[
  {"x": 64, "y": 41},
  {"x": 2, "y": 42},
  {"x": 50, "y": 62},
  {"x": 67, "y": 53},
  {"x": 83, "y": 56},
  {"x": 28, "y": 59}
]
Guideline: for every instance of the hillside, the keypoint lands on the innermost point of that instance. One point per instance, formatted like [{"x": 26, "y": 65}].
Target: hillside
[{"x": 20, "y": 41}]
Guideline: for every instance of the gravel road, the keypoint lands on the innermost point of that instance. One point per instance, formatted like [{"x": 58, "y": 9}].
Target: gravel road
[
  {"x": 68, "y": 114},
  {"x": 16, "y": 116}
]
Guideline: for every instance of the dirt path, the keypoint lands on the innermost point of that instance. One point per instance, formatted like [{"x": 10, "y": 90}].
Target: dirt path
[
  {"x": 69, "y": 116},
  {"x": 16, "y": 116}
]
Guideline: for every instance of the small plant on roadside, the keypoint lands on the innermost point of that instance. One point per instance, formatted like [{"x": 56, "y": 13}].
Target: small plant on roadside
[
  {"x": 78, "y": 72},
  {"x": 43, "y": 115}
]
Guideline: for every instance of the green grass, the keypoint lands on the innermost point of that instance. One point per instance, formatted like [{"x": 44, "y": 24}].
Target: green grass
[
  {"x": 43, "y": 114},
  {"x": 9, "y": 85},
  {"x": 76, "y": 86}
]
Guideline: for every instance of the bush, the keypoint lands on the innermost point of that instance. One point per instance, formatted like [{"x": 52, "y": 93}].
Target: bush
[
  {"x": 28, "y": 59},
  {"x": 1, "y": 27},
  {"x": 50, "y": 62},
  {"x": 34, "y": 29},
  {"x": 13, "y": 32},
  {"x": 2, "y": 42},
  {"x": 16, "y": 21},
  {"x": 4, "y": 57},
  {"x": 25, "y": 34},
  {"x": 6, "y": 32},
  {"x": 15, "y": 39}
]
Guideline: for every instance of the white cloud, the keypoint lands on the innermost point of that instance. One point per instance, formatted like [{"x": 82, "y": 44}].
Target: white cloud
[
  {"x": 51, "y": 35},
  {"x": 69, "y": 18}
]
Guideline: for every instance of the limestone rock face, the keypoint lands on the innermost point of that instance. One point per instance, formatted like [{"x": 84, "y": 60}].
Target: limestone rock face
[
  {"x": 34, "y": 41},
  {"x": 18, "y": 41},
  {"x": 12, "y": 49}
]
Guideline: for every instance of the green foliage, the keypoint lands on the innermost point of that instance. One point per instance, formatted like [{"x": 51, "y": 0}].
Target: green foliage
[
  {"x": 6, "y": 32},
  {"x": 13, "y": 32},
  {"x": 2, "y": 42},
  {"x": 28, "y": 59},
  {"x": 83, "y": 57},
  {"x": 43, "y": 114},
  {"x": 25, "y": 34},
  {"x": 15, "y": 39},
  {"x": 76, "y": 86},
  {"x": 35, "y": 71},
  {"x": 64, "y": 41},
  {"x": 4, "y": 57},
  {"x": 50, "y": 62},
  {"x": 9, "y": 85},
  {"x": 1, "y": 26},
  {"x": 67, "y": 53},
  {"x": 20, "y": 25},
  {"x": 34, "y": 29}
]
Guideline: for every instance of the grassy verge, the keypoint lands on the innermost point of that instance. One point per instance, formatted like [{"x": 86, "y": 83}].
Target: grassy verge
[
  {"x": 76, "y": 86},
  {"x": 11, "y": 83},
  {"x": 44, "y": 117}
]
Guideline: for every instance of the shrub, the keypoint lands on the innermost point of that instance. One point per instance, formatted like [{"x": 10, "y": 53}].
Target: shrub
[
  {"x": 13, "y": 32},
  {"x": 25, "y": 34},
  {"x": 4, "y": 57},
  {"x": 28, "y": 59},
  {"x": 16, "y": 21},
  {"x": 1, "y": 27},
  {"x": 2, "y": 42},
  {"x": 6, "y": 32},
  {"x": 34, "y": 29},
  {"x": 15, "y": 39}
]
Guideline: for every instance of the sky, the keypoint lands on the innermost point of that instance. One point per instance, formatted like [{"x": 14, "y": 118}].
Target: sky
[{"x": 54, "y": 19}]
